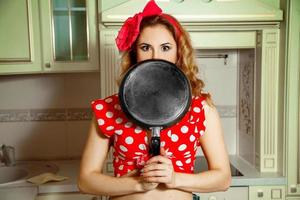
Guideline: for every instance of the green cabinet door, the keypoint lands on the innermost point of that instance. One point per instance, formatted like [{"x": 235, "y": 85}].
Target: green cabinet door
[
  {"x": 19, "y": 37},
  {"x": 292, "y": 127},
  {"x": 69, "y": 35}
]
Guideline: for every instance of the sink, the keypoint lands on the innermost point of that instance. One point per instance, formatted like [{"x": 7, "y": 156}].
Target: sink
[
  {"x": 24, "y": 170},
  {"x": 10, "y": 174}
]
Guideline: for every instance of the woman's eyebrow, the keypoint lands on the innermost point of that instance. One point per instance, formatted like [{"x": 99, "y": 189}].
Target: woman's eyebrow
[
  {"x": 143, "y": 43},
  {"x": 167, "y": 43}
]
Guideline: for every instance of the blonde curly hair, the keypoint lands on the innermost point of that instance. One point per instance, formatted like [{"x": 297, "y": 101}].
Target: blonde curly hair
[{"x": 185, "y": 53}]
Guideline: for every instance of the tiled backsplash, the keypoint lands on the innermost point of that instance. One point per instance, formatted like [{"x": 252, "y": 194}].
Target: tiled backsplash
[
  {"x": 69, "y": 114},
  {"x": 47, "y": 116}
]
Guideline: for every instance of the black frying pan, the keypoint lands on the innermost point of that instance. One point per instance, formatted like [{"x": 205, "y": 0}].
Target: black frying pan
[{"x": 155, "y": 94}]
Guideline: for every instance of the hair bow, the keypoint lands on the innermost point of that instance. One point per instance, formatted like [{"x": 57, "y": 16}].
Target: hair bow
[{"x": 131, "y": 27}]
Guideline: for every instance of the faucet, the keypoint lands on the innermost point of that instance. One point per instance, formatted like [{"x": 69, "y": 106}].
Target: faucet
[{"x": 8, "y": 155}]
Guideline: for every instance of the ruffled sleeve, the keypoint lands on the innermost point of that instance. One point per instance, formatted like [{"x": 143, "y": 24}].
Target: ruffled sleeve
[
  {"x": 105, "y": 114},
  {"x": 197, "y": 117}
]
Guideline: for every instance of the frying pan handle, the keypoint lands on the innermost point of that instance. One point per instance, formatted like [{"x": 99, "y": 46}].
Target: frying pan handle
[
  {"x": 155, "y": 146},
  {"x": 155, "y": 141}
]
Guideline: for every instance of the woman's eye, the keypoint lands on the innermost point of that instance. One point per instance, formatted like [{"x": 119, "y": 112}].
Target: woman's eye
[
  {"x": 165, "y": 48},
  {"x": 145, "y": 48}
]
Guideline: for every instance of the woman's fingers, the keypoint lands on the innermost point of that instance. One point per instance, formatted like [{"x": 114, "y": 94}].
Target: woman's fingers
[{"x": 159, "y": 159}]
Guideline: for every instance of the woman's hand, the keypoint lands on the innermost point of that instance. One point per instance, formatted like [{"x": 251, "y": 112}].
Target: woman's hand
[
  {"x": 145, "y": 185},
  {"x": 159, "y": 169}
]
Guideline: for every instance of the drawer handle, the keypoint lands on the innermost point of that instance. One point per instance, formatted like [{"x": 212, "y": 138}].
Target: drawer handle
[
  {"x": 260, "y": 194},
  {"x": 212, "y": 198},
  {"x": 293, "y": 189}
]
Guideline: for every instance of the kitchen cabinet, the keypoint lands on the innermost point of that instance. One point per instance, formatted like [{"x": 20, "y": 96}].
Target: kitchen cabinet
[
  {"x": 292, "y": 100},
  {"x": 267, "y": 192},
  {"x": 18, "y": 193},
  {"x": 69, "y": 35},
  {"x": 48, "y": 36},
  {"x": 68, "y": 196},
  {"x": 233, "y": 193},
  {"x": 20, "y": 50},
  {"x": 110, "y": 62}
]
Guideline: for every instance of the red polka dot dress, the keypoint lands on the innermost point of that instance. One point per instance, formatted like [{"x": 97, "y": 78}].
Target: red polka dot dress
[{"x": 130, "y": 142}]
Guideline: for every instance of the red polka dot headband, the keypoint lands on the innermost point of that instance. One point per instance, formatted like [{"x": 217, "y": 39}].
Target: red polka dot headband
[{"x": 131, "y": 27}]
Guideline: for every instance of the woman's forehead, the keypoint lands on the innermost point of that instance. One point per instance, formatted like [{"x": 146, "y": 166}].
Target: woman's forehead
[{"x": 157, "y": 34}]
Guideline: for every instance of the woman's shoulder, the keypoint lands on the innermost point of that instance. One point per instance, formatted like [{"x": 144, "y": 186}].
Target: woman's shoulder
[
  {"x": 112, "y": 99},
  {"x": 106, "y": 106}
]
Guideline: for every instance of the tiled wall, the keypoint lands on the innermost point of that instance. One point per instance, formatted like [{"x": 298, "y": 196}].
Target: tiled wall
[
  {"x": 47, "y": 116},
  {"x": 230, "y": 82},
  {"x": 220, "y": 78}
]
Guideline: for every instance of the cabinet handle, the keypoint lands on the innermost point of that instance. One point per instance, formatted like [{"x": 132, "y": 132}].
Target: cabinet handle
[
  {"x": 260, "y": 194},
  {"x": 48, "y": 65},
  {"x": 293, "y": 189},
  {"x": 212, "y": 198}
]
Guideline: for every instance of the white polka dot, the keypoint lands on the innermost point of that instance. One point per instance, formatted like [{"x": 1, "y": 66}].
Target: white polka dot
[
  {"x": 192, "y": 168},
  {"x": 174, "y": 138},
  {"x": 162, "y": 144},
  {"x": 182, "y": 147},
  {"x": 109, "y": 114},
  {"x": 169, "y": 133},
  {"x": 196, "y": 97},
  {"x": 119, "y": 120},
  {"x": 142, "y": 147},
  {"x": 188, "y": 155},
  {"x": 119, "y": 132},
  {"x": 192, "y": 138},
  {"x": 100, "y": 122},
  {"x": 204, "y": 123},
  {"x": 129, "y": 140},
  {"x": 121, "y": 155},
  {"x": 196, "y": 109},
  {"x": 181, "y": 168},
  {"x": 138, "y": 130},
  {"x": 184, "y": 129},
  {"x": 188, "y": 161},
  {"x": 146, "y": 139},
  {"x": 124, "y": 149},
  {"x": 191, "y": 118},
  {"x": 179, "y": 163},
  {"x": 121, "y": 167},
  {"x": 118, "y": 175},
  {"x": 108, "y": 100},
  {"x": 117, "y": 159},
  {"x": 92, "y": 102},
  {"x": 201, "y": 132},
  {"x": 99, "y": 107},
  {"x": 188, "y": 152},
  {"x": 109, "y": 128},
  {"x": 128, "y": 124},
  {"x": 196, "y": 129},
  {"x": 117, "y": 107}
]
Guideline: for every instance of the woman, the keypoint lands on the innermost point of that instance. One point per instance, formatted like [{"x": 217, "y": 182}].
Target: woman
[{"x": 155, "y": 35}]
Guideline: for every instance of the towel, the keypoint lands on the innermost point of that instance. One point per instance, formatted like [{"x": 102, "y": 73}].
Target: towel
[{"x": 46, "y": 177}]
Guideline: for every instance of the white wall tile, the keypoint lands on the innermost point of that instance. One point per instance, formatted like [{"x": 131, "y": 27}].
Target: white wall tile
[
  {"x": 77, "y": 133},
  {"x": 32, "y": 91},
  {"x": 35, "y": 140},
  {"x": 81, "y": 89}
]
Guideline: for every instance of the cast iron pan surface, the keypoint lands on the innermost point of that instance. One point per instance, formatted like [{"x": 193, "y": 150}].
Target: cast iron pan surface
[{"x": 155, "y": 93}]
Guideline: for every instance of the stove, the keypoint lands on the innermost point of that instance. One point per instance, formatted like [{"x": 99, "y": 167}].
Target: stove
[{"x": 201, "y": 165}]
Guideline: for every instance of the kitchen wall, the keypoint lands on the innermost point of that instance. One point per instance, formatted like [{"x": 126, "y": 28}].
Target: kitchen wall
[{"x": 47, "y": 116}]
